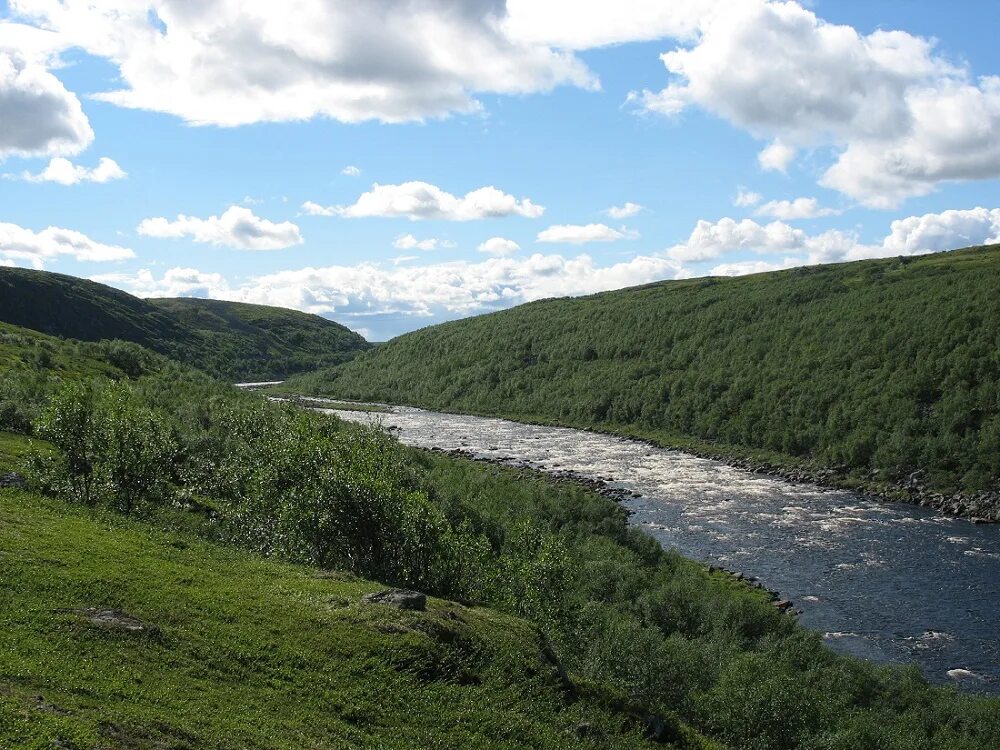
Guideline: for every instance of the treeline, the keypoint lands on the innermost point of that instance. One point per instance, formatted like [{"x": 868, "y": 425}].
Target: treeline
[
  {"x": 884, "y": 365},
  {"x": 230, "y": 340},
  {"x": 640, "y": 624}
]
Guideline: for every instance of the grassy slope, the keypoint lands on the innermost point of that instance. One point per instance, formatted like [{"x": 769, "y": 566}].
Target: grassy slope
[
  {"x": 227, "y": 339},
  {"x": 890, "y": 364},
  {"x": 252, "y": 653},
  {"x": 281, "y": 341}
]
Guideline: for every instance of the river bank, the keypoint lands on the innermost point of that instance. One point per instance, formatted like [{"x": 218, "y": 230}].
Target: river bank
[
  {"x": 980, "y": 507},
  {"x": 887, "y": 582}
]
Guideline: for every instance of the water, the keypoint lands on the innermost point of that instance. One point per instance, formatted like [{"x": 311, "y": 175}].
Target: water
[{"x": 888, "y": 582}]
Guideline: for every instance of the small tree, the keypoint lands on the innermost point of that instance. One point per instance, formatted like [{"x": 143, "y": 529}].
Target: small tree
[
  {"x": 134, "y": 463},
  {"x": 67, "y": 422}
]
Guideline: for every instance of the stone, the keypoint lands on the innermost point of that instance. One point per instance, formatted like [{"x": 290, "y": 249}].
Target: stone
[
  {"x": 117, "y": 620},
  {"x": 13, "y": 480},
  {"x": 398, "y": 598}
]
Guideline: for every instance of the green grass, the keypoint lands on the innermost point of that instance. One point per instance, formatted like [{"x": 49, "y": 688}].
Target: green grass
[
  {"x": 227, "y": 339},
  {"x": 253, "y": 653}
]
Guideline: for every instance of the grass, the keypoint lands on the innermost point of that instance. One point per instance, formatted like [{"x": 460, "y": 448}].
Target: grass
[{"x": 254, "y": 653}]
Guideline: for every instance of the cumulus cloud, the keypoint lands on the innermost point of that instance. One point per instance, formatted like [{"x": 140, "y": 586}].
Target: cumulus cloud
[
  {"x": 175, "y": 282},
  {"x": 421, "y": 200},
  {"x": 231, "y": 63},
  {"x": 238, "y": 227},
  {"x": 746, "y": 197},
  {"x": 409, "y": 242},
  {"x": 575, "y": 234},
  {"x": 775, "y": 157},
  {"x": 585, "y": 24},
  {"x": 943, "y": 231},
  {"x": 39, "y": 116},
  {"x": 351, "y": 171},
  {"x": 913, "y": 235},
  {"x": 625, "y": 211},
  {"x": 742, "y": 268},
  {"x": 799, "y": 208},
  {"x": 709, "y": 240},
  {"x": 65, "y": 172},
  {"x": 20, "y": 245},
  {"x": 901, "y": 116},
  {"x": 498, "y": 246},
  {"x": 362, "y": 292}
]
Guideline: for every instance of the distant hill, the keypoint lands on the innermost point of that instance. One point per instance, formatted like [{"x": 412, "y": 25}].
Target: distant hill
[
  {"x": 228, "y": 339},
  {"x": 890, "y": 365}
]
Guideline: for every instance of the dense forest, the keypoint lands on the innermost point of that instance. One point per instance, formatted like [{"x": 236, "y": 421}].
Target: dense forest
[
  {"x": 227, "y": 339},
  {"x": 651, "y": 643},
  {"x": 889, "y": 366}
]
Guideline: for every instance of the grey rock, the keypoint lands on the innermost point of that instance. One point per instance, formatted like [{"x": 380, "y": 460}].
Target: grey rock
[
  {"x": 13, "y": 480},
  {"x": 398, "y": 598},
  {"x": 116, "y": 620}
]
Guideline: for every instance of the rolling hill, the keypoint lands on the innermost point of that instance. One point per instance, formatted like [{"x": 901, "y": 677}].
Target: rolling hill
[
  {"x": 886, "y": 368},
  {"x": 227, "y": 339}
]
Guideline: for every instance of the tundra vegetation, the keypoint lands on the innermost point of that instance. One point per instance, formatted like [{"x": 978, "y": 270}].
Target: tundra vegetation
[
  {"x": 160, "y": 492},
  {"x": 884, "y": 371},
  {"x": 228, "y": 339}
]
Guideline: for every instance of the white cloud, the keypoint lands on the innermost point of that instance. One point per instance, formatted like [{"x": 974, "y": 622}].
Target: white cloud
[
  {"x": 799, "y": 208},
  {"x": 775, "y": 157},
  {"x": 625, "y": 211},
  {"x": 231, "y": 63},
  {"x": 585, "y": 24},
  {"x": 574, "y": 234},
  {"x": 238, "y": 227},
  {"x": 943, "y": 231},
  {"x": 742, "y": 268},
  {"x": 175, "y": 282},
  {"x": 454, "y": 288},
  {"x": 65, "y": 172},
  {"x": 901, "y": 116},
  {"x": 746, "y": 197},
  {"x": 314, "y": 209},
  {"x": 498, "y": 246},
  {"x": 421, "y": 200},
  {"x": 709, "y": 240},
  {"x": 18, "y": 244},
  {"x": 351, "y": 171},
  {"x": 409, "y": 242},
  {"x": 39, "y": 116},
  {"x": 913, "y": 235}
]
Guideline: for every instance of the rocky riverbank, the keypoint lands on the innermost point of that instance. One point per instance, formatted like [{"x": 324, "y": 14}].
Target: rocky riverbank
[
  {"x": 603, "y": 486},
  {"x": 979, "y": 507}
]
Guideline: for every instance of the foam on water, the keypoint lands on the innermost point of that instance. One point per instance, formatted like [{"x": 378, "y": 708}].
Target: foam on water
[{"x": 875, "y": 578}]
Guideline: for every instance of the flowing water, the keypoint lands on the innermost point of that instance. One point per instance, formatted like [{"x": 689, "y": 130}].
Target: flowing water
[{"x": 888, "y": 582}]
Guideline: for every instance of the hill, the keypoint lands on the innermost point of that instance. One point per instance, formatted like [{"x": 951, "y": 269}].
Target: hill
[
  {"x": 227, "y": 339},
  {"x": 878, "y": 368},
  {"x": 248, "y": 652},
  {"x": 186, "y": 571}
]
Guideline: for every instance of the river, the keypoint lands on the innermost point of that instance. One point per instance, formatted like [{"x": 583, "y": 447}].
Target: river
[{"x": 888, "y": 582}]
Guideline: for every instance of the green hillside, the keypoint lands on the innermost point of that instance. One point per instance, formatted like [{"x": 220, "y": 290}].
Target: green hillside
[
  {"x": 882, "y": 365},
  {"x": 253, "y": 653},
  {"x": 227, "y": 339},
  {"x": 239, "y": 535}
]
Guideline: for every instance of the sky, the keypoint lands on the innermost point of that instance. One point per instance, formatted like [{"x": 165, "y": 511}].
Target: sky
[{"x": 392, "y": 164}]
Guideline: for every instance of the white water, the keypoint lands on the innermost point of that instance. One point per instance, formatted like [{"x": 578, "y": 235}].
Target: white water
[{"x": 888, "y": 582}]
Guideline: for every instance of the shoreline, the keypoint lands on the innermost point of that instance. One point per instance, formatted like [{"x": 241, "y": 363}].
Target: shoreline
[{"x": 978, "y": 508}]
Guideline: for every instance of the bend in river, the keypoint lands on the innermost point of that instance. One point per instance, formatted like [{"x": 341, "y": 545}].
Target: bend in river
[{"x": 888, "y": 582}]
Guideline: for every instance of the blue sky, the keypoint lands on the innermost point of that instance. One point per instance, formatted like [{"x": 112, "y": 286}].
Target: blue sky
[{"x": 781, "y": 135}]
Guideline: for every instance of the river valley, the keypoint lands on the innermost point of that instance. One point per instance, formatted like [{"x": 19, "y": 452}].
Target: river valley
[{"x": 888, "y": 582}]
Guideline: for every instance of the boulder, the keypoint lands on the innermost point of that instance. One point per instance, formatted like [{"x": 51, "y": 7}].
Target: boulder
[
  {"x": 116, "y": 620},
  {"x": 398, "y": 598},
  {"x": 14, "y": 480}
]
